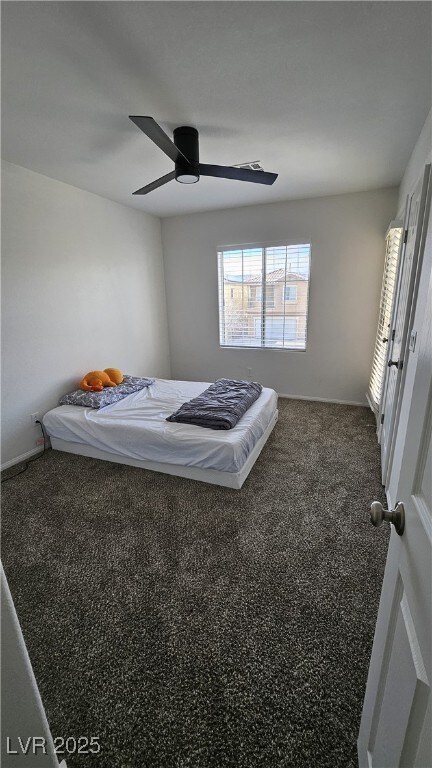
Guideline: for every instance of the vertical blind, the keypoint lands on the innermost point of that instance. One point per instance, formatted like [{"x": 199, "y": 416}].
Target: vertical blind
[
  {"x": 393, "y": 249},
  {"x": 263, "y": 295}
]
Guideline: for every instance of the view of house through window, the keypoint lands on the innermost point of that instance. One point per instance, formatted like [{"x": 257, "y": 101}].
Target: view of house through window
[{"x": 263, "y": 296}]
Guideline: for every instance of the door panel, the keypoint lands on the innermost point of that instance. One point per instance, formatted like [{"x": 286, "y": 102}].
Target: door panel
[
  {"x": 404, "y": 692},
  {"x": 392, "y": 375},
  {"x": 396, "y": 719},
  {"x": 402, "y": 317}
]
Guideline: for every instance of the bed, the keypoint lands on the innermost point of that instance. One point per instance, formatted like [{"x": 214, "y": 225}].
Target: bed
[{"x": 134, "y": 431}]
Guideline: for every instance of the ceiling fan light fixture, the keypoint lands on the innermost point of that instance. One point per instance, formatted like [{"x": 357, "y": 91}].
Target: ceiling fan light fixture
[{"x": 187, "y": 177}]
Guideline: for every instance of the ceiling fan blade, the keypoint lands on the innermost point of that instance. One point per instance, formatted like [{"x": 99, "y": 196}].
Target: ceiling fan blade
[
  {"x": 240, "y": 174},
  {"x": 155, "y": 184},
  {"x": 158, "y": 136}
]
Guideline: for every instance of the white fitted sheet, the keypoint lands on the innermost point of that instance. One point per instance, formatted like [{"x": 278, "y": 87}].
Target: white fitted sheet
[{"x": 136, "y": 428}]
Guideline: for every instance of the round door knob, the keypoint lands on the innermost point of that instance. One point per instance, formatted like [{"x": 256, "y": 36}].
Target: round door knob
[{"x": 396, "y": 516}]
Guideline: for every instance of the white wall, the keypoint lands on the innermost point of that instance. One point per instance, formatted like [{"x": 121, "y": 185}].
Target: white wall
[
  {"x": 421, "y": 154},
  {"x": 82, "y": 289},
  {"x": 347, "y": 235}
]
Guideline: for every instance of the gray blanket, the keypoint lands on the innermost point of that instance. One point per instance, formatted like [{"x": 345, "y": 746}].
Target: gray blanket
[{"x": 220, "y": 406}]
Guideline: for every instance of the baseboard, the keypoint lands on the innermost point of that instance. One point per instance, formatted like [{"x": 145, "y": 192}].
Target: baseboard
[
  {"x": 23, "y": 457},
  {"x": 323, "y": 399}
]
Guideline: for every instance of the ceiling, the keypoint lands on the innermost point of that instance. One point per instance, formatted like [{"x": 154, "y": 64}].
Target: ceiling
[{"x": 330, "y": 95}]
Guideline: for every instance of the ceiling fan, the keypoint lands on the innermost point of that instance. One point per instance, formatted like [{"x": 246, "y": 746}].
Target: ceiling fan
[{"x": 184, "y": 151}]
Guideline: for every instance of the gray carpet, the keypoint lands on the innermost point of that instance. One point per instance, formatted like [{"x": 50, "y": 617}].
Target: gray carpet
[{"x": 193, "y": 626}]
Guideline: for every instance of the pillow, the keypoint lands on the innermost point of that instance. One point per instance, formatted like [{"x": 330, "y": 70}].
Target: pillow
[{"x": 108, "y": 396}]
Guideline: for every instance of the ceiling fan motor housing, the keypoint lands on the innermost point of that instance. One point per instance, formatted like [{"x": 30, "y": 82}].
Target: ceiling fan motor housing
[{"x": 186, "y": 140}]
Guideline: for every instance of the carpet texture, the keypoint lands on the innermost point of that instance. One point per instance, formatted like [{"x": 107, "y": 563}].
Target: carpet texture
[{"x": 193, "y": 626}]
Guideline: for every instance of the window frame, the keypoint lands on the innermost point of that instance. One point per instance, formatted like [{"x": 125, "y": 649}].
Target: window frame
[
  {"x": 290, "y": 301},
  {"x": 270, "y": 296},
  {"x": 288, "y": 243}
]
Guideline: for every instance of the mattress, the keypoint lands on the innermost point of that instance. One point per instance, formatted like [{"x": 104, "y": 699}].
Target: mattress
[{"x": 136, "y": 428}]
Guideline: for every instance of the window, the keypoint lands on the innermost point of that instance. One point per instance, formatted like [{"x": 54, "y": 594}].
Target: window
[
  {"x": 270, "y": 296},
  {"x": 270, "y": 304},
  {"x": 290, "y": 293},
  {"x": 254, "y": 294},
  {"x": 393, "y": 249}
]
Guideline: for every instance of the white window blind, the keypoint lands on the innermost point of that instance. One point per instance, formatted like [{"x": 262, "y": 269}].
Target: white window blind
[
  {"x": 393, "y": 249},
  {"x": 263, "y": 295}
]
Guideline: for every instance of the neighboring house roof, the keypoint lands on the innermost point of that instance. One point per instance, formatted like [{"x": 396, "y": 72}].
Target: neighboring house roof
[
  {"x": 277, "y": 276},
  {"x": 235, "y": 279}
]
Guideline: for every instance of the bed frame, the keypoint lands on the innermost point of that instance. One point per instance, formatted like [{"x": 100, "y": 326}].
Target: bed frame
[{"x": 227, "y": 479}]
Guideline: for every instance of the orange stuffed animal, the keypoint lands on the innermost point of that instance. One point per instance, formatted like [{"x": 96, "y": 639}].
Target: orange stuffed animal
[
  {"x": 95, "y": 381},
  {"x": 115, "y": 375}
]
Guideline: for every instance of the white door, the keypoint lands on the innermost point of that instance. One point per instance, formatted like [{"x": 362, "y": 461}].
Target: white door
[
  {"x": 400, "y": 326},
  {"x": 396, "y": 725},
  {"x": 26, "y": 737}
]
